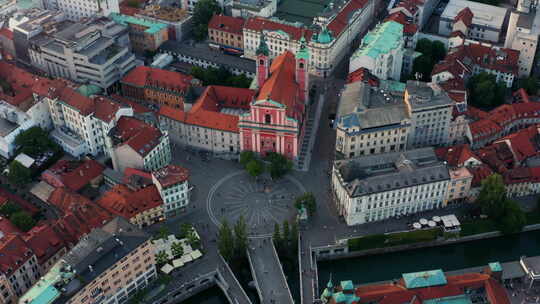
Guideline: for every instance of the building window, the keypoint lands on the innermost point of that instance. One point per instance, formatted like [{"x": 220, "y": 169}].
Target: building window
[{"x": 267, "y": 118}]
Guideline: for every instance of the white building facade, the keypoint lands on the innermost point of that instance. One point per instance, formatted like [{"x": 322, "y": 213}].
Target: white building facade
[
  {"x": 381, "y": 51},
  {"x": 376, "y": 187},
  {"x": 78, "y": 9}
]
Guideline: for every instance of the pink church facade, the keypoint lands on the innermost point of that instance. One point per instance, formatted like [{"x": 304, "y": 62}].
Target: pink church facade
[{"x": 275, "y": 122}]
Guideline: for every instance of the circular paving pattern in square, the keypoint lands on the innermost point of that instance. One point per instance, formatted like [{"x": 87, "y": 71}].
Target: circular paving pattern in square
[{"x": 263, "y": 203}]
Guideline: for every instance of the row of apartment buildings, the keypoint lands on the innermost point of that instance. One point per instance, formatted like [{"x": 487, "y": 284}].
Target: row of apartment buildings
[{"x": 337, "y": 30}]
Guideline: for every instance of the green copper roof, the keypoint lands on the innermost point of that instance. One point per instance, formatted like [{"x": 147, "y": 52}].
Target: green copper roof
[
  {"x": 462, "y": 299},
  {"x": 152, "y": 27},
  {"x": 263, "y": 47},
  {"x": 89, "y": 90},
  {"x": 424, "y": 279},
  {"x": 302, "y": 50},
  {"x": 44, "y": 291},
  {"x": 393, "y": 85},
  {"x": 347, "y": 285},
  {"x": 495, "y": 266},
  {"x": 327, "y": 293},
  {"x": 329, "y": 284},
  {"x": 381, "y": 40},
  {"x": 324, "y": 36},
  {"x": 340, "y": 297}
]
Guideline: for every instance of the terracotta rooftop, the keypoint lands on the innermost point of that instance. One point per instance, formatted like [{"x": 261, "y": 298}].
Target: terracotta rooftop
[
  {"x": 72, "y": 174},
  {"x": 206, "y": 110},
  {"x": 233, "y": 25},
  {"x": 466, "y": 16},
  {"x": 456, "y": 156},
  {"x": 122, "y": 201},
  {"x": 409, "y": 28},
  {"x": 171, "y": 175},
  {"x": 145, "y": 76},
  {"x": 13, "y": 253},
  {"x": 44, "y": 242},
  {"x": 140, "y": 136},
  {"x": 364, "y": 75},
  {"x": 82, "y": 214},
  {"x": 259, "y": 24},
  {"x": 282, "y": 87},
  {"x": 524, "y": 143},
  {"x": 340, "y": 22},
  {"x": 6, "y": 33}
]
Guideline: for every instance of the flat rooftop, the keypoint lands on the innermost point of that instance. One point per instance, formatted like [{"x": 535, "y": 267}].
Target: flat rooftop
[
  {"x": 302, "y": 11},
  {"x": 7, "y": 127},
  {"x": 484, "y": 14}
]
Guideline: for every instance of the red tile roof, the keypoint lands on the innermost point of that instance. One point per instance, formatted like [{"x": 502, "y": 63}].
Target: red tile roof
[
  {"x": 44, "y": 242},
  {"x": 136, "y": 178},
  {"x": 105, "y": 109},
  {"x": 524, "y": 143},
  {"x": 479, "y": 174},
  {"x": 456, "y": 156},
  {"x": 206, "y": 111},
  {"x": 233, "y": 25},
  {"x": 72, "y": 174},
  {"x": 137, "y": 134},
  {"x": 6, "y": 227},
  {"x": 259, "y": 24},
  {"x": 122, "y": 201},
  {"x": 340, "y": 22},
  {"x": 397, "y": 293},
  {"x": 145, "y": 76},
  {"x": 171, "y": 175},
  {"x": 282, "y": 87},
  {"x": 465, "y": 15},
  {"x": 409, "y": 28},
  {"x": 364, "y": 75},
  {"x": 137, "y": 107},
  {"x": 13, "y": 253},
  {"x": 78, "y": 210}
]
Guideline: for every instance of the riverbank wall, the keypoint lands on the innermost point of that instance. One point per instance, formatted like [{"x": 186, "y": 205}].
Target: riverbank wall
[{"x": 341, "y": 250}]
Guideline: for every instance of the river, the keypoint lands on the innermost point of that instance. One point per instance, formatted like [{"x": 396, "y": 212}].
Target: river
[
  {"x": 450, "y": 257},
  {"x": 391, "y": 265}
]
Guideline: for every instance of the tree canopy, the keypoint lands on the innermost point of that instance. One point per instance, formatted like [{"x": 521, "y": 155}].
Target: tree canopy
[
  {"x": 432, "y": 53},
  {"x": 240, "y": 237},
  {"x": 255, "y": 168},
  {"x": 19, "y": 174},
  {"x": 308, "y": 201},
  {"x": 485, "y": 92},
  {"x": 35, "y": 141},
  {"x": 220, "y": 76},
  {"x": 279, "y": 165},
  {"x": 504, "y": 212},
  {"x": 226, "y": 241},
  {"x": 22, "y": 220},
  {"x": 202, "y": 13}
]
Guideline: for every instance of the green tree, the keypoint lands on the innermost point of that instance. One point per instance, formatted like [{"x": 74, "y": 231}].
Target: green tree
[
  {"x": 438, "y": 51},
  {"x": 286, "y": 232},
  {"x": 226, "y": 241},
  {"x": 530, "y": 84},
  {"x": 246, "y": 157},
  {"x": 8, "y": 209},
  {"x": 423, "y": 65},
  {"x": 35, "y": 141},
  {"x": 22, "y": 220},
  {"x": 177, "y": 249},
  {"x": 424, "y": 46},
  {"x": 492, "y": 196},
  {"x": 19, "y": 174},
  {"x": 279, "y": 165},
  {"x": 485, "y": 92},
  {"x": 308, "y": 201},
  {"x": 193, "y": 240},
  {"x": 202, "y": 13},
  {"x": 162, "y": 258},
  {"x": 240, "y": 235},
  {"x": 163, "y": 232},
  {"x": 513, "y": 219},
  {"x": 255, "y": 168},
  {"x": 277, "y": 235},
  {"x": 185, "y": 230}
]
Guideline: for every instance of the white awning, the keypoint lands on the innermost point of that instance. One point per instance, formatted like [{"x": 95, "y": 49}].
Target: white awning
[
  {"x": 196, "y": 254},
  {"x": 167, "y": 268}
]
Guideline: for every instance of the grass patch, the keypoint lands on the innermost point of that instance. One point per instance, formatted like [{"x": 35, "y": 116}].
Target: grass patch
[
  {"x": 394, "y": 239},
  {"x": 477, "y": 227}
]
